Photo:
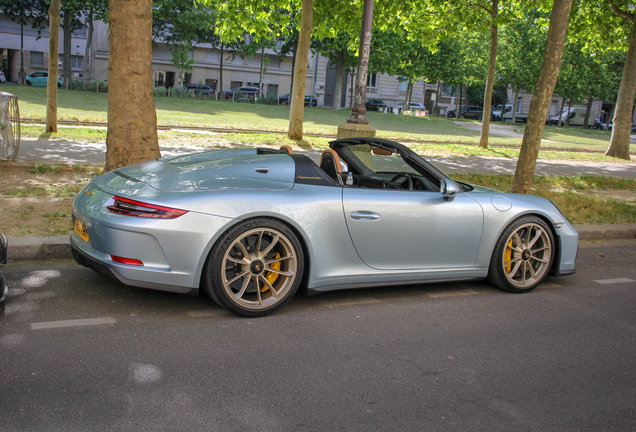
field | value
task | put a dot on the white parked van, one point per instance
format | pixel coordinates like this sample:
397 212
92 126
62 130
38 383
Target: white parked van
576 116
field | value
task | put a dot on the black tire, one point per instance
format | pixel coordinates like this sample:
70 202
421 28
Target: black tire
237 275
522 256
29 83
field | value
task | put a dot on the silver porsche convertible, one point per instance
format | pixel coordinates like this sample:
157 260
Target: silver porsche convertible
252 226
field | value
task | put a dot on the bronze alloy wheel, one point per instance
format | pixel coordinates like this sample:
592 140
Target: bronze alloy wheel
257 267
523 255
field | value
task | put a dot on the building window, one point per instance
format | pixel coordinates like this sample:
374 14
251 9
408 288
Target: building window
449 90
37 59
372 80
403 86
160 78
77 62
519 103
235 84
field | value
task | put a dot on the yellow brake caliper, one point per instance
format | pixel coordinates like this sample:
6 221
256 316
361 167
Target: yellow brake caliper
271 276
508 256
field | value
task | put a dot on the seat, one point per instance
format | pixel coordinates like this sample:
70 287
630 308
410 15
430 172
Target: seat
287 148
330 163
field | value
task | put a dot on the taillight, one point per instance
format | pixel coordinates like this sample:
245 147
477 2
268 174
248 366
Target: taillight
129 261
129 207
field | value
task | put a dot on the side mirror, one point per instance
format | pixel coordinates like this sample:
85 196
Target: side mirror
449 190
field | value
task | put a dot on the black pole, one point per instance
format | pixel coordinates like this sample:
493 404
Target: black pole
22 73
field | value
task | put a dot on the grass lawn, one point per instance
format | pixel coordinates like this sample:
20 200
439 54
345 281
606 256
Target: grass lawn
427 135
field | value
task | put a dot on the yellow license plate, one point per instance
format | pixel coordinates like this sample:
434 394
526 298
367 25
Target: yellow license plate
80 228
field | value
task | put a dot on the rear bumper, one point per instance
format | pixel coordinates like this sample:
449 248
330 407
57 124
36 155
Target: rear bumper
86 260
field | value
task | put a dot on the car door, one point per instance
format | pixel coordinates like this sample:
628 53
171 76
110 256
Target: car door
402 229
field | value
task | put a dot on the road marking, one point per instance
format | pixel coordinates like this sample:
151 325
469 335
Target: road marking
72 323
352 302
207 313
613 281
549 285
464 292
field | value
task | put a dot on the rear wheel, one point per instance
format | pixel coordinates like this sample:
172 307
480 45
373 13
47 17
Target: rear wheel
523 255
255 268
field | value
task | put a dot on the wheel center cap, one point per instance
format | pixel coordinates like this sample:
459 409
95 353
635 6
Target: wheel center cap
525 255
257 267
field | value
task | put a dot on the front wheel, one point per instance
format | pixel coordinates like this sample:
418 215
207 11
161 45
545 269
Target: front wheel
522 256
255 268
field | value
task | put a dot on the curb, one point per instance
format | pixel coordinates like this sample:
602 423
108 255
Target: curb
59 247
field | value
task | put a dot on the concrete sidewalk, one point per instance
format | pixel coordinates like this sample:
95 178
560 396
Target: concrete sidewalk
61 152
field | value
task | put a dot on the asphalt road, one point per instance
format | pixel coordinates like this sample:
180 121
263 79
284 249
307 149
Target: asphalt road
443 357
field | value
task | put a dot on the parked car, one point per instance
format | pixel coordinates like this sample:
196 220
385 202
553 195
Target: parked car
40 79
412 106
2 77
374 104
4 288
576 116
504 113
206 90
245 90
248 226
284 100
473 112
611 125
451 113
599 124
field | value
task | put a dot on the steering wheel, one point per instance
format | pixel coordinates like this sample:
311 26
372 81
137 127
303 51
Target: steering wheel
392 184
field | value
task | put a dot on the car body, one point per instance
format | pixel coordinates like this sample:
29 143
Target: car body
245 91
4 289
412 106
374 104
2 77
203 89
451 113
249 226
284 100
575 115
473 113
41 78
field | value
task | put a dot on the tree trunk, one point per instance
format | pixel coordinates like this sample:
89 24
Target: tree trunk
353 86
132 119
51 84
567 119
406 105
456 98
68 15
514 109
297 98
435 112
260 75
586 122
522 182
337 92
461 100
621 131
88 51
293 70
559 123
219 91
610 117
485 122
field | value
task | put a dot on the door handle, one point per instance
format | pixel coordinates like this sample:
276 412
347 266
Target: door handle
362 215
